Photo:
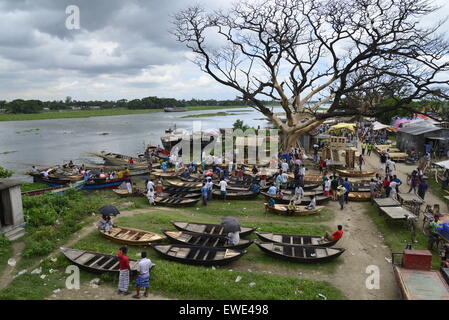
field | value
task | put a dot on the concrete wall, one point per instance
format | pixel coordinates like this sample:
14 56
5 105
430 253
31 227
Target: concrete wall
12 209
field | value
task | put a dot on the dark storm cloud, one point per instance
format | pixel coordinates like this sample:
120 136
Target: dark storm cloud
34 33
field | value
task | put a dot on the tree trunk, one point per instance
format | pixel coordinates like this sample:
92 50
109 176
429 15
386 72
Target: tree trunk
289 140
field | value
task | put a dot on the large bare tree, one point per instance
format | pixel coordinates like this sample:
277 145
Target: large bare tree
305 53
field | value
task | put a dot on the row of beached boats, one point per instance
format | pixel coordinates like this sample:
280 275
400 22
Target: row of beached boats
205 244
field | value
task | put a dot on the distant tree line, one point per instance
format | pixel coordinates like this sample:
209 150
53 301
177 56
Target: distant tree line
36 106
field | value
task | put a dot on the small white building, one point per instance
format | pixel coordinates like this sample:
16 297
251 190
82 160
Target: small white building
12 222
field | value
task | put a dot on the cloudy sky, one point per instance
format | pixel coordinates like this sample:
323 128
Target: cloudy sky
123 50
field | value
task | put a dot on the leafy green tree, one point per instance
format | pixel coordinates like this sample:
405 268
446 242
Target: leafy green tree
4 173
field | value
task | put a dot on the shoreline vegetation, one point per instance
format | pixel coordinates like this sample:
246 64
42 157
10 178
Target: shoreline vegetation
216 114
98 113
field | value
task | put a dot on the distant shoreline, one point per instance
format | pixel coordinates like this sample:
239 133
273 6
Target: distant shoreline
63 114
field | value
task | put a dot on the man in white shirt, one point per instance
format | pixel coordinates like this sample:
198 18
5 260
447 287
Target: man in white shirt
129 186
303 170
284 177
393 192
299 193
284 166
223 184
150 185
327 187
143 275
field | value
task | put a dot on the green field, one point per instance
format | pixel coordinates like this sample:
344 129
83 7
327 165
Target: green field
263 277
94 113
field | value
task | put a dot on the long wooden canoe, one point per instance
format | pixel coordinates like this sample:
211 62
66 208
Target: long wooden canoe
235 195
297 239
281 209
116 159
204 256
55 190
320 199
298 253
133 237
95 262
355 173
204 240
123 193
185 184
165 175
175 202
208 228
359 196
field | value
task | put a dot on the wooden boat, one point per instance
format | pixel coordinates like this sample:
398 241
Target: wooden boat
359 196
297 239
281 209
298 253
208 228
117 159
204 240
320 199
133 237
205 256
355 173
185 184
94 184
55 190
175 202
95 262
181 190
175 110
165 175
172 194
123 193
235 195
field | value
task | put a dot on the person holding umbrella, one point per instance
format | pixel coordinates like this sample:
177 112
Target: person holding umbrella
232 227
105 222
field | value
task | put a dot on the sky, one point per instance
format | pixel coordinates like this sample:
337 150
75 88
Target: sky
123 50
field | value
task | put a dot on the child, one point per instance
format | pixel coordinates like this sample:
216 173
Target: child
150 196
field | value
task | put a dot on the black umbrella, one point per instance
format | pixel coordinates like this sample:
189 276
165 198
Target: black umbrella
230 224
109 210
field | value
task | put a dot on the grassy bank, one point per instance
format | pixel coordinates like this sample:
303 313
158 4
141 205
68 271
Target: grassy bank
94 113
397 235
217 114
5 252
272 278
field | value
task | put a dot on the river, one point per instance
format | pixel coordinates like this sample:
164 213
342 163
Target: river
50 142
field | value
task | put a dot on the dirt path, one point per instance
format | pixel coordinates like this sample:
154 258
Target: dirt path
9 272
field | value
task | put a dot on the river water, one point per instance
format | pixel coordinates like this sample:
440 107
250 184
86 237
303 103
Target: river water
50 142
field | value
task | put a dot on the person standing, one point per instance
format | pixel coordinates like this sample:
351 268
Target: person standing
327 187
347 186
422 188
393 190
223 184
205 193
383 161
159 188
334 187
129 186
143 275
413 183
299 193
369 148
341 191
210 186
373 189
363 148
361 161
150 196
123 282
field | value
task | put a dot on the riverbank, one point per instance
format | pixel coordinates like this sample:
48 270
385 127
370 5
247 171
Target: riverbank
62 114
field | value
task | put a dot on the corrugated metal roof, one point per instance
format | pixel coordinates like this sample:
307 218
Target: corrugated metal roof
416 131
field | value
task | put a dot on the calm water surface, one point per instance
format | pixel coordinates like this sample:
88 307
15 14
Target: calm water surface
56 141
